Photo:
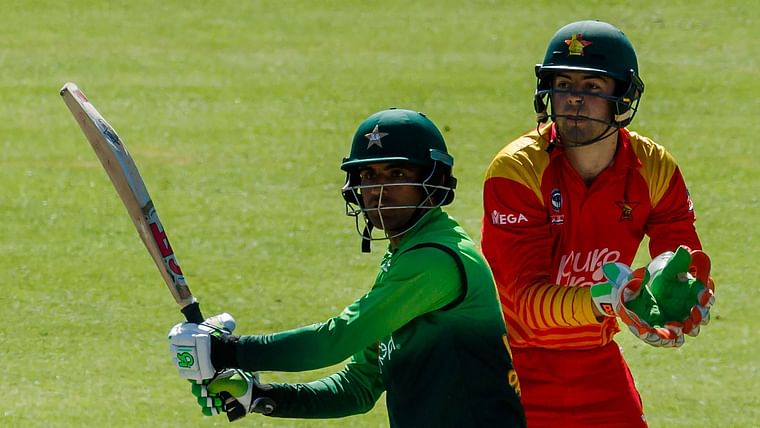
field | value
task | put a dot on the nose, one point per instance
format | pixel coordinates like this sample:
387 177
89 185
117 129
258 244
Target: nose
575 98
373 193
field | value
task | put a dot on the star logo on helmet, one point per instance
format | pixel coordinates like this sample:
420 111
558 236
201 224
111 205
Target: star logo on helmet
576 44
374 137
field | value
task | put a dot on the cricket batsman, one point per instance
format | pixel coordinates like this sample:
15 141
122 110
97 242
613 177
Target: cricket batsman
429 332
566 207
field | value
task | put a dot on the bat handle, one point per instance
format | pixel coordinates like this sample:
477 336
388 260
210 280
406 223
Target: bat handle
232 407
193 313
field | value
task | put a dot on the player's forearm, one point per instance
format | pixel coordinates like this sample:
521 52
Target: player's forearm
545 306
331 397
304 348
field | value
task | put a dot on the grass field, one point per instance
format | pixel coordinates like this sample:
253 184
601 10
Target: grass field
238 114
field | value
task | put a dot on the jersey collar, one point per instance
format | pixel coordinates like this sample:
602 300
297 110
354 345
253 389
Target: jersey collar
625 156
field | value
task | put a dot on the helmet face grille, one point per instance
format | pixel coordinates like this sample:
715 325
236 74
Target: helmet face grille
404 136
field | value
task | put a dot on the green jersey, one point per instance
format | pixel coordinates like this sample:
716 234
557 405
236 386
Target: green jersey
430 332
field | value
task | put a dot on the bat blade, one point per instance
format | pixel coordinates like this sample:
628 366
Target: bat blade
130 187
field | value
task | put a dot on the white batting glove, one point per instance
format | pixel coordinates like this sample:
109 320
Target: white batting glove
190 345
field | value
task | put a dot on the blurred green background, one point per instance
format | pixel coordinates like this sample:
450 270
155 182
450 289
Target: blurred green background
238 114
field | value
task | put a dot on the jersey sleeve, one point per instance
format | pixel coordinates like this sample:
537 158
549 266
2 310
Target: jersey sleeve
517 243
420 281
353 390
672 220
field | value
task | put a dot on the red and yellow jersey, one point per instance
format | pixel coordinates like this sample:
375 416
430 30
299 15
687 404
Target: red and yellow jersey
546 234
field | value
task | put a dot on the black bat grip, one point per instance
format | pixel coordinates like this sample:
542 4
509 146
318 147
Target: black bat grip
232 407
193 313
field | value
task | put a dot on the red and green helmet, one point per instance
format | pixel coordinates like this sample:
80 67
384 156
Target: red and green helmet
594 47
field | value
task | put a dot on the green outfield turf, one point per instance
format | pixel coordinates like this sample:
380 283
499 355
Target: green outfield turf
238 114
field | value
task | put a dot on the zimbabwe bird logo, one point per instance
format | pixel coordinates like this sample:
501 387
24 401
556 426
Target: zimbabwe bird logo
576 44
626 210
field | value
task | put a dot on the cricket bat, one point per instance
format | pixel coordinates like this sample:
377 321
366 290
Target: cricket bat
131 188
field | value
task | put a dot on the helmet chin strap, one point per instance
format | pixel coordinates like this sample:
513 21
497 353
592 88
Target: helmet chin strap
367 237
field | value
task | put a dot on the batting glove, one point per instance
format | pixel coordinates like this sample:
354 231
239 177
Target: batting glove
234 392
624 296
190 345
682 286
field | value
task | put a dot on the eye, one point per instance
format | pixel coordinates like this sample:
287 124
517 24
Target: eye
593 87
398 173
562 85
366 175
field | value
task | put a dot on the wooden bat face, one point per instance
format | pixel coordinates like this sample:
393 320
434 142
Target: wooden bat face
131 188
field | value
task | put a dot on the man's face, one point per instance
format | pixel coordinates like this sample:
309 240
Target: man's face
391 193
577 99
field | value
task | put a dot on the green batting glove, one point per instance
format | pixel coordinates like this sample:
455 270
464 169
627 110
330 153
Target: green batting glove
211 403
234 392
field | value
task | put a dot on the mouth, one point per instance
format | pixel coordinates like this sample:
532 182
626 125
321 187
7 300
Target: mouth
575 118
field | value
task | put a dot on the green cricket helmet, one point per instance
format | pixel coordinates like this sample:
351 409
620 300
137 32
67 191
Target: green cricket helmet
597 48
398 136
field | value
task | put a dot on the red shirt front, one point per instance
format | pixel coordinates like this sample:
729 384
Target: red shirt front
546 234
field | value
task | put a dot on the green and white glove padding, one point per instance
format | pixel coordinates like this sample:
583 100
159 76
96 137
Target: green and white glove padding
190 345
680 282
624 296
215 396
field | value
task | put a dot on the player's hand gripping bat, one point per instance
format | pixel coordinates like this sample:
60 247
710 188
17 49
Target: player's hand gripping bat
129 185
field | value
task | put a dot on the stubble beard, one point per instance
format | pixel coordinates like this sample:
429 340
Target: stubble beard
579 131
392 220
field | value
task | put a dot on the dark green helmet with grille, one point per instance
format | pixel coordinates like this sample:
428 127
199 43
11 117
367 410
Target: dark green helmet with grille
403 137
407 136
597 48
397 135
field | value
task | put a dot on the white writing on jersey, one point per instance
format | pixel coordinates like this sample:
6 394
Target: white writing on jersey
499 218
575 267
385 350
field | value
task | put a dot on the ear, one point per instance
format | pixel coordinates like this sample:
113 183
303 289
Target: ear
349 195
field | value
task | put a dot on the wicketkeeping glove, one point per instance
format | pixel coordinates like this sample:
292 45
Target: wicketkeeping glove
625 297
218 395
190 345
682 286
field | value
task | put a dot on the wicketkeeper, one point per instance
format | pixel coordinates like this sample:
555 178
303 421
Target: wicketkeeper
566 207
429 332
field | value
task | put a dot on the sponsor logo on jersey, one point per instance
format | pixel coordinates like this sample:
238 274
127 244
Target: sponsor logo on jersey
500 218
385 349
557 218
576 267
556 199
689 201
385 264
626 210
